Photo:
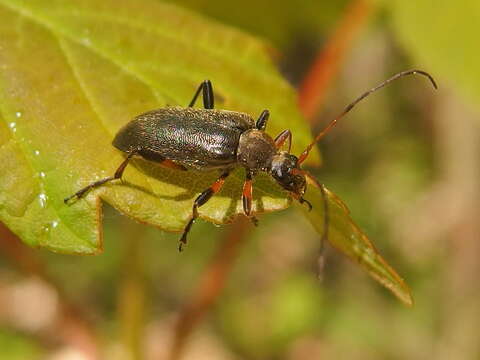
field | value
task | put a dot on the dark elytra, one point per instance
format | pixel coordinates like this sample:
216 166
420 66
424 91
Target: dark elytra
206 139
203 139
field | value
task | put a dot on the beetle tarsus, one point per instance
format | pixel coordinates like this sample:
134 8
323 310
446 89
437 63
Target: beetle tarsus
303 201
118 175
183 240
199 201
67 199
79 194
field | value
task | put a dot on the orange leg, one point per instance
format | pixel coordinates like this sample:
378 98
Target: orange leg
199 201
247 198
285 135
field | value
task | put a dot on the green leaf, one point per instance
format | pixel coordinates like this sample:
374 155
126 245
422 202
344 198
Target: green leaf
17 347
442 37
345 236
72 73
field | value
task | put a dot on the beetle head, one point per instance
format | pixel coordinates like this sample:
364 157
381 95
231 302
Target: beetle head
286 171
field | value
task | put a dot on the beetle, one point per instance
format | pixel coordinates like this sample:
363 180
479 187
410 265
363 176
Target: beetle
186 138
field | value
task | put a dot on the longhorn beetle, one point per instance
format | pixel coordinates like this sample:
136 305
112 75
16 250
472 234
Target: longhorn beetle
208 139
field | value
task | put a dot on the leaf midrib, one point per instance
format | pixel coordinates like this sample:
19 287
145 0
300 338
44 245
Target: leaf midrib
159 30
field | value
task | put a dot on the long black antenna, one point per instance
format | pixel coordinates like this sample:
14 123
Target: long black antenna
332 123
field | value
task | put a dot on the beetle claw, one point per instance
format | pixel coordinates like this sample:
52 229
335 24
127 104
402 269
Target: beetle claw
182 242
72 198
303 201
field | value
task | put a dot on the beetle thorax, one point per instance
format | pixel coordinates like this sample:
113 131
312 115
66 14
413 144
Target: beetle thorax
255 150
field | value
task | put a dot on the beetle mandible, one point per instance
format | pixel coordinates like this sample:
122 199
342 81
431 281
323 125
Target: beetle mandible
208 139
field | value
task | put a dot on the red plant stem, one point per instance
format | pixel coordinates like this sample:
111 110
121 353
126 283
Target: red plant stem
314 86
71 327
211 283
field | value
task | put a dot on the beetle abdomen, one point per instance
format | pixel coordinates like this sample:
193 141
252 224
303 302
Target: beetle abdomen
198 138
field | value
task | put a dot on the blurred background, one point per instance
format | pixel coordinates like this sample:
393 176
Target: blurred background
405 161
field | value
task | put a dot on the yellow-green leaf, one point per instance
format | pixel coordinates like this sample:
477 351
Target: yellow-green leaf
345 236
73 72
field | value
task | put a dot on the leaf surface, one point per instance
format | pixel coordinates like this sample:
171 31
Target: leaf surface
73 73
346 236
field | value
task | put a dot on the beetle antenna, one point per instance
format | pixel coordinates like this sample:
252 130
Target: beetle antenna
332 123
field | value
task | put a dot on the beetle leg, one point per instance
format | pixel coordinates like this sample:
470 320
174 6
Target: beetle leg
282 137
324 238
247 198
207 93
199 201
302 201
118 174
261 123
326 220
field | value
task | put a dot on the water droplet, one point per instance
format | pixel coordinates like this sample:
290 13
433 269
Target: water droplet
42 174
46 228
18 114
13 126
36 152
54 224
42 198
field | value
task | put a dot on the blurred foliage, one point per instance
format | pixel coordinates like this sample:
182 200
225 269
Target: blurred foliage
345 236
282 24
443 37
268 321
17 347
